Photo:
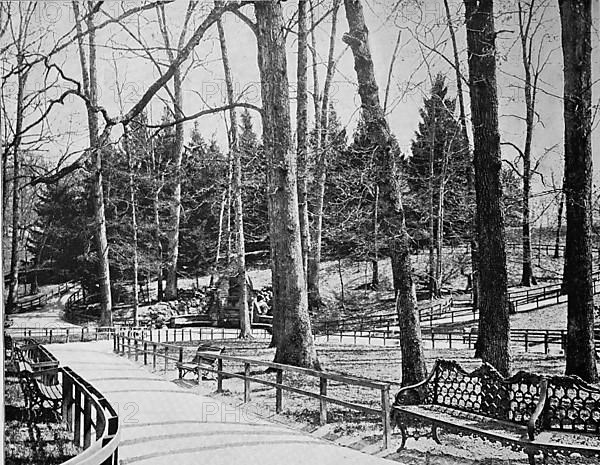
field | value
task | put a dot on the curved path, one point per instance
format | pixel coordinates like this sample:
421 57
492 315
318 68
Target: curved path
49 316
165 423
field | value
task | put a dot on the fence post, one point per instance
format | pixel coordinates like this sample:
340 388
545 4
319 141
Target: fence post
77 413
278 391
450 340
385 416
166 357
246 382
50 336
82 334
135 348
220 375
67 400
145 353
154 356
181 351
87 422
322 401
546 348
526 341
67 335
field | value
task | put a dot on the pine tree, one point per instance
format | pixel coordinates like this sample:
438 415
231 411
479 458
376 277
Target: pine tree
254 166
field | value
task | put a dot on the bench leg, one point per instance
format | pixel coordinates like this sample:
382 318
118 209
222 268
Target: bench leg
434 434
404 435
531 452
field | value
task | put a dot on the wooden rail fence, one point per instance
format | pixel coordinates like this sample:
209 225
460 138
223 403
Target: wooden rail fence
149 351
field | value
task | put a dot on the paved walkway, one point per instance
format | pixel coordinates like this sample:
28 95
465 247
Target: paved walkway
165 423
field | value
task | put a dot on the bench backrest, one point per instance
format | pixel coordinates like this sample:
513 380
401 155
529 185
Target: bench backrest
204 352
484 391
571 405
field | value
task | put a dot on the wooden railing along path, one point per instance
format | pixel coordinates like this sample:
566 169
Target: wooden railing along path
86 412
150 351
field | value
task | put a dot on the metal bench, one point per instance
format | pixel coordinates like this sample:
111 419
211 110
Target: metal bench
38 395
203 362
526 411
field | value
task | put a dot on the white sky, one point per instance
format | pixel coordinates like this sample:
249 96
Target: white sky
204 83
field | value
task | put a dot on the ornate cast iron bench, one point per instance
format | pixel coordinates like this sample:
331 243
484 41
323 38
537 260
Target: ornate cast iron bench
205 358
528 412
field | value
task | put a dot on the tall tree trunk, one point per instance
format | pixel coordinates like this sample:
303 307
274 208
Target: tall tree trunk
219 237
440 220
527 277
391 209
91 89
321 150
561 202
132 201
494 324
375 260
474 277
576 21
245 327
177 154
301 133
294 342
158 181
13 289
433 292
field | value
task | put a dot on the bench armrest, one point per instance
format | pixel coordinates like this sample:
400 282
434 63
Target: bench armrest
531 425
411 395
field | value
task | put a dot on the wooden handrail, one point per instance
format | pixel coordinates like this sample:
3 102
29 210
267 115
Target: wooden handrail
99 437
125 344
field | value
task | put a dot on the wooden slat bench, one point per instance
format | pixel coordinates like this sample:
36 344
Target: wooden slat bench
557 415
204 360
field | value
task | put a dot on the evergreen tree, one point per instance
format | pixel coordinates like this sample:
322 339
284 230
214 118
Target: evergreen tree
439 135
204 178
60 240
254 166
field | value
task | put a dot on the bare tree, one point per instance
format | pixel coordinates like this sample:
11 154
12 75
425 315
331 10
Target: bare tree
576 23
235 153
474 276
172 252
391 209
494 324
302 132
90 89
321 150
294 341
